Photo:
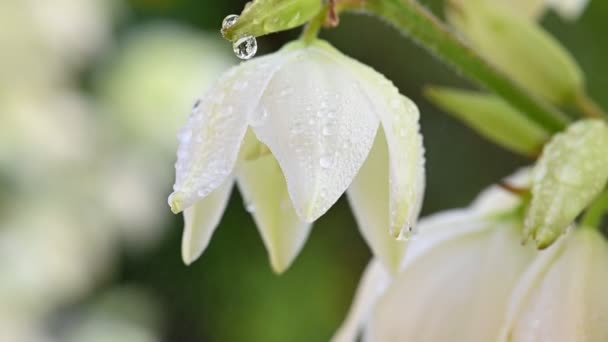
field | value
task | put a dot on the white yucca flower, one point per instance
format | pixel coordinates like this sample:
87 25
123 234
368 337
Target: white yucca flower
562 295
294 129
468 279
450 269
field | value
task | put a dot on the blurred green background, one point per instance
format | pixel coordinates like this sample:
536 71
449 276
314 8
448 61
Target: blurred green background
91 100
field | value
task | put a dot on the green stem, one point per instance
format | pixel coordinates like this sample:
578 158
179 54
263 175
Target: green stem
412 18
595 213
311 31
588 107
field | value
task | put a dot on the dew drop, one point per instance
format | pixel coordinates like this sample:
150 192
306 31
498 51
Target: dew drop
258 117
395 104
196 104
325 162
245 48
229 21
184 136
250 207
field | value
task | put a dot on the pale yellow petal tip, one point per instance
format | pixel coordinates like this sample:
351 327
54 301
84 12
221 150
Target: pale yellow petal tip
187 259
402 232
188 255
279 265
176 202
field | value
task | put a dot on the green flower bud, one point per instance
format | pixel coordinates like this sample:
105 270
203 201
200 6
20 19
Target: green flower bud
571 172
492 118
520 48
262 17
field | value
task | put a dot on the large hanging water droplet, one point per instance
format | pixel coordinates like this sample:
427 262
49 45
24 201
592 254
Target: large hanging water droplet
229 21
246 47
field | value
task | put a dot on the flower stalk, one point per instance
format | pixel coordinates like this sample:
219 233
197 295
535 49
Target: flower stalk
589 108
411 18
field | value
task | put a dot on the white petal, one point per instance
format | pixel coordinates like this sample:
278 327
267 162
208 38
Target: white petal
399 117
495 199
210 142
569 9
320 127
426 301
369 198
562 298
374 282
201 219
263 186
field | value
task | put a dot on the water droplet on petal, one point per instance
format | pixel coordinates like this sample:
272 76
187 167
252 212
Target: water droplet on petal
395 104
258 117
245 48
229 21
184 136
196 104
325 162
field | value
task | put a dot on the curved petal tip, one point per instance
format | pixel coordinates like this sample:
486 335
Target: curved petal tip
176 202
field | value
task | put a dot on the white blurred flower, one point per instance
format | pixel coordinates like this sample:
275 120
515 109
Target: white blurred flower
149 81
568 9
562 296
317 111
49 256
51 127
64 34
451 266
126 314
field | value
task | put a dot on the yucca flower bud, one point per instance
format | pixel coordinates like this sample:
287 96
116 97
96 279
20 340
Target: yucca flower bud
571 172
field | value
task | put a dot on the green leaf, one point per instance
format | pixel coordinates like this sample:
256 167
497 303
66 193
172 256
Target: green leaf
491 117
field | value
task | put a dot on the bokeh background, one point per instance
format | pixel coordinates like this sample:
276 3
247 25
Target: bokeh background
92 94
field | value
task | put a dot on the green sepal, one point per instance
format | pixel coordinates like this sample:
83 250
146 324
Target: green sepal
262 17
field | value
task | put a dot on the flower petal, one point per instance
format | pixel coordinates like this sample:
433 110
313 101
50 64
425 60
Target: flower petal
263 186
210 142
399 117
425 301
562 298
201 219
369 198
373 283
320 132
568 9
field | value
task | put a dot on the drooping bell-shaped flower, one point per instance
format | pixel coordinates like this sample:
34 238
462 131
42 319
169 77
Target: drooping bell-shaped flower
562 295
463 261
295 129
